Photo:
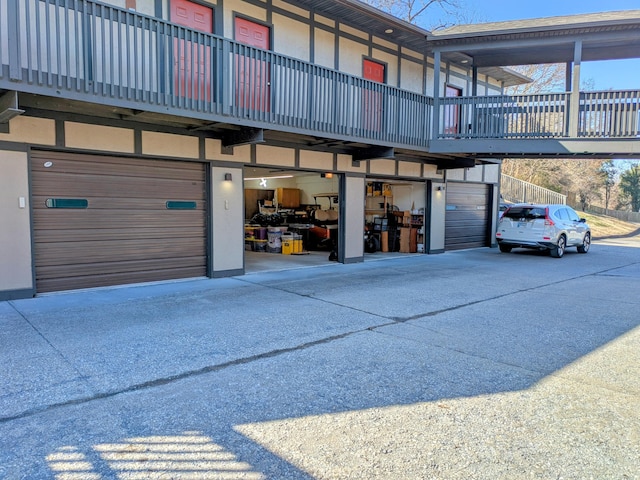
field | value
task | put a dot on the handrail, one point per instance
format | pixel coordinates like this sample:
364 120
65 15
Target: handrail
91 51
504 116
515 190
612 114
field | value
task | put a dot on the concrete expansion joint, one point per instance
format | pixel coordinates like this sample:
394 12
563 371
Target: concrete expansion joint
81 375
175 378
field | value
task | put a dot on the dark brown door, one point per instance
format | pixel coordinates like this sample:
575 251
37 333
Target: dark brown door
102 220
252 74
192 60
373 99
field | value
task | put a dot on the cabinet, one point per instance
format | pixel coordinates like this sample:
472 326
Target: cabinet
288 197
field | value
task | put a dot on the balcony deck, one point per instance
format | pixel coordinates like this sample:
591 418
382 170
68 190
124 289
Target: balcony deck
72 55
601 124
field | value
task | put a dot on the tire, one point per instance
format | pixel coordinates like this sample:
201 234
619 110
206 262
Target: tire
586 243
504 248
558 250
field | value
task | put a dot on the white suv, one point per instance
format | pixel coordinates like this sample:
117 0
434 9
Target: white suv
543 227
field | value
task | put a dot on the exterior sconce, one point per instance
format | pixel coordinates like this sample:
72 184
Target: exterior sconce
440 188
326 175
227 177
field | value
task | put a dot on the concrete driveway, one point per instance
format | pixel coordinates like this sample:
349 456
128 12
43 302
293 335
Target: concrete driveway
467 365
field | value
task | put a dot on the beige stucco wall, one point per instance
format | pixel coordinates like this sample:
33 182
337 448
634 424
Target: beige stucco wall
431 171
15 233
438 210
411 78
351 54
345 164
391 65
316 160
244 8
456 174
475 174
492 173
291 37
324 48
99 137
409 169
170 145
227 213
268 155
23 129
354 195
213 151
382 167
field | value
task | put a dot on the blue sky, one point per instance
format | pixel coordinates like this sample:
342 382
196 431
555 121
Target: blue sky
618 75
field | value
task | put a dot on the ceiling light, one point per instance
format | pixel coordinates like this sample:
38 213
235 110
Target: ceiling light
388 31
269 178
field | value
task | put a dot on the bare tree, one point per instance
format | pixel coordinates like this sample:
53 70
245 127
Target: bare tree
430 14
545 78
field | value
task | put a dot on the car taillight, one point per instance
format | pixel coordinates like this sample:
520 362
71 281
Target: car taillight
547 219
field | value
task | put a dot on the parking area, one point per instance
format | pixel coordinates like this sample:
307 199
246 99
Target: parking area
469 364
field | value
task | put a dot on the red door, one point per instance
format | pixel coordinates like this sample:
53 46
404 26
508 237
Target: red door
191 60
452 112
252 74
373 99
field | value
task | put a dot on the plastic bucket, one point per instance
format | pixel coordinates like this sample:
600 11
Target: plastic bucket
274 240
287 243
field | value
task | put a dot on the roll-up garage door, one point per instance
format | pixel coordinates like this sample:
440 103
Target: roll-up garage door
467 216
101 220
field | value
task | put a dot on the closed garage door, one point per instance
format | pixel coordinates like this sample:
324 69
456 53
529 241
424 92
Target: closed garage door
102 220
467 216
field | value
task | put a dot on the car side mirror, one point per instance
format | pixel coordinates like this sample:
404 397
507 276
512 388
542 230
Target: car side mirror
583 220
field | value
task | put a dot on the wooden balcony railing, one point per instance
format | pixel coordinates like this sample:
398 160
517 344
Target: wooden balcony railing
611 114
89 51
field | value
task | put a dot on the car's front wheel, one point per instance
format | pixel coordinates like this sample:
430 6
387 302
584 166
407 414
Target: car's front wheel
586 243
505 248
558 250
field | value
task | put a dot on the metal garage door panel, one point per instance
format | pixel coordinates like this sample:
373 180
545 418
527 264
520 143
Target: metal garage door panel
126 234
467 216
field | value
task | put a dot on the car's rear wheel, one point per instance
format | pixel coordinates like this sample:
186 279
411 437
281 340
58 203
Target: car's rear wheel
505 248
586 243
558 250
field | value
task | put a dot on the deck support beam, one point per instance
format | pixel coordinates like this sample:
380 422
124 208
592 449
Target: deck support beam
244 136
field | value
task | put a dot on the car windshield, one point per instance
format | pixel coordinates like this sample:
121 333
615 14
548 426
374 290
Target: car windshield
528 213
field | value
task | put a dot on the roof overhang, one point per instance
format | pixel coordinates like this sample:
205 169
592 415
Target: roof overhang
364 17
603 36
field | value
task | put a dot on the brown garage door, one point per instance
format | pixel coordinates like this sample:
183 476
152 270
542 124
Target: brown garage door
467 216
101 220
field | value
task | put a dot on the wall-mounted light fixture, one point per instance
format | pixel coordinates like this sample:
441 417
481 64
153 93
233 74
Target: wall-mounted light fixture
326 175
227 177
440 188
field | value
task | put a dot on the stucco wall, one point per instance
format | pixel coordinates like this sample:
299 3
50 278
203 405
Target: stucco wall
227 212
437 212
15 233
99 137
354 218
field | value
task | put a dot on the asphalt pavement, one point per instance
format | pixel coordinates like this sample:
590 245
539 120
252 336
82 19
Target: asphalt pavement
466 365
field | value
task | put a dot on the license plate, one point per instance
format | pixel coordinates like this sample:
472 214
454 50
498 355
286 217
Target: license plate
522 224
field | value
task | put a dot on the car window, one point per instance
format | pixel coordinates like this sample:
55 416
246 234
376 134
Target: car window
562 214
573 216
528 213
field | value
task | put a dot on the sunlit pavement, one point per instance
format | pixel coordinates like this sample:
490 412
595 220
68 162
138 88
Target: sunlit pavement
471 364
